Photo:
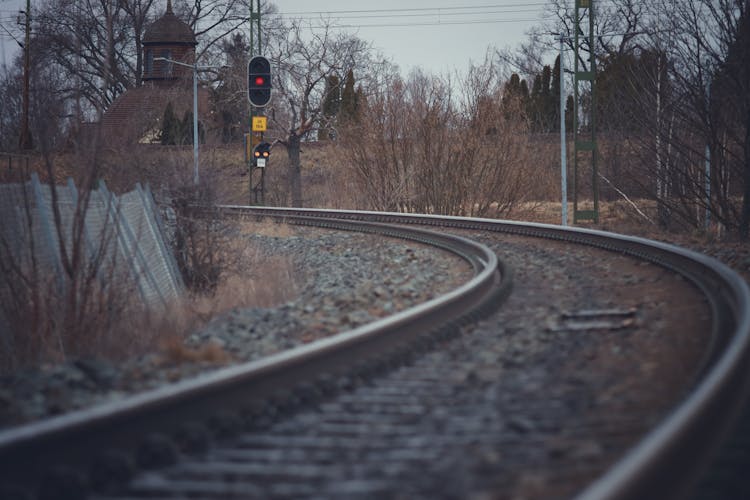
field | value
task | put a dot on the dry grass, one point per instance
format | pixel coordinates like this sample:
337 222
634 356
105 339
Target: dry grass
257 280
172 350
253 280
267 228
268 282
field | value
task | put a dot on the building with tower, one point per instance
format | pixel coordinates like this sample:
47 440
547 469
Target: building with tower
136 115
170 38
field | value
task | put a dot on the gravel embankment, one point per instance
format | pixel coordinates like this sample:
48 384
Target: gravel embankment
532 402
344 280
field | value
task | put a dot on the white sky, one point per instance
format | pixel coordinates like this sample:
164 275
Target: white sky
437 35
8 21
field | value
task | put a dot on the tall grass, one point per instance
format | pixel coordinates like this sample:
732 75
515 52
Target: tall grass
82 307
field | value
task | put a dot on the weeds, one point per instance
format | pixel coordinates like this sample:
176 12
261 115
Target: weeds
75 302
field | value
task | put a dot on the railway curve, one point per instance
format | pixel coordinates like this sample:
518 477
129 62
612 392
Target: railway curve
55 453
676 448
666 462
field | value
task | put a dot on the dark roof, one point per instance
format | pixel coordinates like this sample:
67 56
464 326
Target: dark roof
139 110
169 29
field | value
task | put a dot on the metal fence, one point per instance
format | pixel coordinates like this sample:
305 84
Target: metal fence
122 235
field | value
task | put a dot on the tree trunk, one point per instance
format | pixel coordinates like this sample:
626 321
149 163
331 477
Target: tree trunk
743 40
745 218
295 170
662 174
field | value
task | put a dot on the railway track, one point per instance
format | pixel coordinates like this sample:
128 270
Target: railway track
412 399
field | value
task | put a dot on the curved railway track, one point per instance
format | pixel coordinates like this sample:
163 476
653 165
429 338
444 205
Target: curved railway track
105 441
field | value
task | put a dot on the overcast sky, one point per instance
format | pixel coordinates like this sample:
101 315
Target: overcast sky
437 35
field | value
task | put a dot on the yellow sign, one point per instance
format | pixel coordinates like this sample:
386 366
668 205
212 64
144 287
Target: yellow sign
259 123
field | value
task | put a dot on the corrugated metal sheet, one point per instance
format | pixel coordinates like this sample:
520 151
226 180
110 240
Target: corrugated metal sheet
122 237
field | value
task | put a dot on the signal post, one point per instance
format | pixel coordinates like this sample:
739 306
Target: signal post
257 152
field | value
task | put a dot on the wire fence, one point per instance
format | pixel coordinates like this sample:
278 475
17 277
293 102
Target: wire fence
123 235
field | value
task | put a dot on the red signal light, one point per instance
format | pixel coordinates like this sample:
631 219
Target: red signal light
259 81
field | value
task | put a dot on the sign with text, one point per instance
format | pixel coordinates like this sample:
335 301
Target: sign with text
259 123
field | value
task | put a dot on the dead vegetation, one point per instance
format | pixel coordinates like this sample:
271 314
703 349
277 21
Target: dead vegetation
79 306
229 273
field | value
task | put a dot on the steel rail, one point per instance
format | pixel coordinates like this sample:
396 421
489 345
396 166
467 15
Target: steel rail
668 460
31 455
657 467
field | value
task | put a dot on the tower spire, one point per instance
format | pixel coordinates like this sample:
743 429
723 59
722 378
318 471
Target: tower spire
169 7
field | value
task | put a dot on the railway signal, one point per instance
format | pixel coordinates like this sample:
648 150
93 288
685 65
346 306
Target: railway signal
259 81
261 154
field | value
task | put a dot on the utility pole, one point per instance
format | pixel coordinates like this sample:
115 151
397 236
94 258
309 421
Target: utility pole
24 140
584 134
253 138
563 140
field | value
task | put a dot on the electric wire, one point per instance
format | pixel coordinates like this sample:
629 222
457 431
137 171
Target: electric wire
422 16
437 14
395 12
436 23
9 34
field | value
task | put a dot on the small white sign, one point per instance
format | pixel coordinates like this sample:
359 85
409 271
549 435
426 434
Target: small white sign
260 163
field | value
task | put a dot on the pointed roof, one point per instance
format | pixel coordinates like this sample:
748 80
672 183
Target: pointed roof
169 30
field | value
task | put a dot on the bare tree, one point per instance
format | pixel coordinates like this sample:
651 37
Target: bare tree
97 45
304 59
87 42
379 149
10 98
137 12
617 24
696 102
495 145
420 147
214 21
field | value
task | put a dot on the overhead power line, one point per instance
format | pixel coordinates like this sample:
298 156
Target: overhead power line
396 12
419 16
427 23
20 44
446 15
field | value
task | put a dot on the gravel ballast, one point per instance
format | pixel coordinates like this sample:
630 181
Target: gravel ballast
343 280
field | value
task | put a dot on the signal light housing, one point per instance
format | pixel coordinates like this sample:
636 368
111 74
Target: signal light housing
259 81
261 154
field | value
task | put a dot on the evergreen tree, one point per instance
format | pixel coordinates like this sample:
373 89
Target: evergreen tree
170 126
541 105
331 105
546 106
186 128
569 110
349 100
360 101
554 96
534 107
515 98
524 91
